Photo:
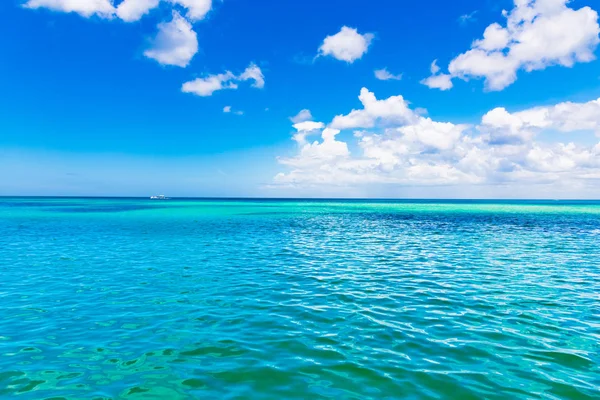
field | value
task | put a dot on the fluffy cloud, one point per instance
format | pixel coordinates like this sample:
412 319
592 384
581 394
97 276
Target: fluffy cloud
308 126
391 110
253 73
207 86
401 147
503 127
127 10
437 80
385 75
196 9
441 81
303 115
304 129
86 8
317 154
175 44
133 10
537 34
346 45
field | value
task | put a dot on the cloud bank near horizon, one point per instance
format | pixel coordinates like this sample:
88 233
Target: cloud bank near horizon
396 145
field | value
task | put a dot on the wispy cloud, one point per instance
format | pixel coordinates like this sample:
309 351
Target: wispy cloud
384 75
466 18
228 109
211 83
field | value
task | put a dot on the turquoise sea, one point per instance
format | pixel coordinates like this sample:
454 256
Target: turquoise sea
290 299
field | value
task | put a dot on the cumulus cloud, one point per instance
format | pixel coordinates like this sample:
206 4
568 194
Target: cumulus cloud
398 146
385 75
303 115
86 8
437 80
537 34
304 126
504 127
176 42
127 10
391 110
304 129
253 73
441 81
346 45
196 9
208 85
317 154
133 10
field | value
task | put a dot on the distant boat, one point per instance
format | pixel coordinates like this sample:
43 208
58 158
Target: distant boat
159 197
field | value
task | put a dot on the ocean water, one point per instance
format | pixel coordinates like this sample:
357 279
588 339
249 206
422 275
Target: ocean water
265 299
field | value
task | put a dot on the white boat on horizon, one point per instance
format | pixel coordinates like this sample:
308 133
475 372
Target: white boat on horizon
159 197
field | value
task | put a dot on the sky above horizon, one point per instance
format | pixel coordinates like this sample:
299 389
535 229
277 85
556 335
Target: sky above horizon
429 99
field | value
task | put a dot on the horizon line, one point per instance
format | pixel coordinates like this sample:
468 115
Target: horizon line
298 198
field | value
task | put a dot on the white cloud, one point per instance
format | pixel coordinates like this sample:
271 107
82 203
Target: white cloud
504 127
432 135
254 73
303 115
317 153
392 109
441 81
466 18
402 147
346 45
207 86
127 10
212 83
537 34
305 128
437 80
133 10
197 9
228 109
175 44
385 75
86 8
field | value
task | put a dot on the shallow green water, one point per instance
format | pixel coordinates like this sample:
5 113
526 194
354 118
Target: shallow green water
131 298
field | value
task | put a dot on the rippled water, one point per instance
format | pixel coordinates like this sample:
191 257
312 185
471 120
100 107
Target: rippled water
105 298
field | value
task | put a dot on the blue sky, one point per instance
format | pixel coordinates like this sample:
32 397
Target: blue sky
92 101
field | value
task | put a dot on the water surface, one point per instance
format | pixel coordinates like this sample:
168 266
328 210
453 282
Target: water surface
266 299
